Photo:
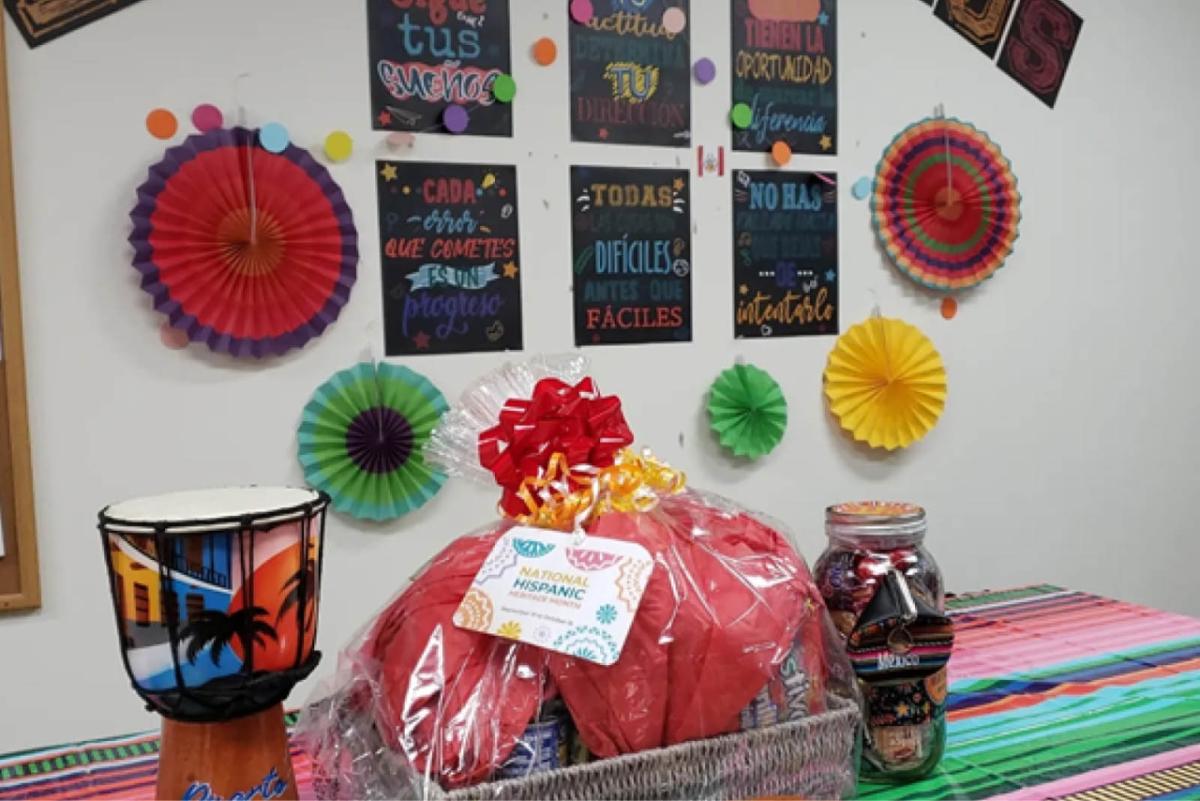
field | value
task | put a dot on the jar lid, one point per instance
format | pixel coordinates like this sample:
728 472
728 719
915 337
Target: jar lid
875 513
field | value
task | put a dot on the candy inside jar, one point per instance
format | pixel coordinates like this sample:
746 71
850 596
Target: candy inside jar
885 595
866 541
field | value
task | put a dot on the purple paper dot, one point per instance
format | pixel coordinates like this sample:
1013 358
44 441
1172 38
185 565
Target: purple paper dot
207 117
705 70
455 118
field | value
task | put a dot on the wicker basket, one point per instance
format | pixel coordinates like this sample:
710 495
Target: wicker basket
815 757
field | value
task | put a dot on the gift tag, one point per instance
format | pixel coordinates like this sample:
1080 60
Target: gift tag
556 591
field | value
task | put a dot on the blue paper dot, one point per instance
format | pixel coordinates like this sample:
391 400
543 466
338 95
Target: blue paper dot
273 137
861 188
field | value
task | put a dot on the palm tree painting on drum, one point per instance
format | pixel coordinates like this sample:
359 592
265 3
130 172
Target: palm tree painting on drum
217 631
218 619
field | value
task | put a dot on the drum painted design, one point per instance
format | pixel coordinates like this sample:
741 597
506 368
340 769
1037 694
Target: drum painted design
218 613
215 600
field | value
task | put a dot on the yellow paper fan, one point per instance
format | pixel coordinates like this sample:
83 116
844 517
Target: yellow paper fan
886 383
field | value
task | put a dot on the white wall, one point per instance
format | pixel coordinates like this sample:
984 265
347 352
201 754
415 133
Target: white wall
1066 454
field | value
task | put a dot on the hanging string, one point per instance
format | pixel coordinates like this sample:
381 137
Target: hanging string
241 112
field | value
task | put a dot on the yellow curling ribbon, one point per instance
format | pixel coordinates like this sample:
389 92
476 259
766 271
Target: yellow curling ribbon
566 497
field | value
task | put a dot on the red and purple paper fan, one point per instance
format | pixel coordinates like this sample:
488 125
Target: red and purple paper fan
945 204
251 252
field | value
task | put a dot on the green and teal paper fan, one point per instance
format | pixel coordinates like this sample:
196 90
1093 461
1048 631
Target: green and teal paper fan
747 411
362 440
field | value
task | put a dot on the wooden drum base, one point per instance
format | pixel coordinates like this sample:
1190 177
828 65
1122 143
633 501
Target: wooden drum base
245 758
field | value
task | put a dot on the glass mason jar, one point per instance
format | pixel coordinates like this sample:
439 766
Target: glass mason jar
873 545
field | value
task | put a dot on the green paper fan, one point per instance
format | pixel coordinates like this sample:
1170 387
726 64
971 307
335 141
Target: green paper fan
362 440
748 411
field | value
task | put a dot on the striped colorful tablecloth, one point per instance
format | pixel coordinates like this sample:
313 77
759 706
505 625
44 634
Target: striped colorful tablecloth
1054 695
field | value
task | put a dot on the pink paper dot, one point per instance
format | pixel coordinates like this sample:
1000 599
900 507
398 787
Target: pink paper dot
400 139
582 11
674 20
172 337
207 117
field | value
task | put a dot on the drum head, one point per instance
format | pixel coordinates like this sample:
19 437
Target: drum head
212 510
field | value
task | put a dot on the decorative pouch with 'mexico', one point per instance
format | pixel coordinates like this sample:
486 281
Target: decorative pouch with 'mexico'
899 637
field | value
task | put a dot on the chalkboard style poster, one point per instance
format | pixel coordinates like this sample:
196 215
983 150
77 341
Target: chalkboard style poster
631 78
451 259
785 253
632 240
40 21
429 54
785 70
980 22
1039 47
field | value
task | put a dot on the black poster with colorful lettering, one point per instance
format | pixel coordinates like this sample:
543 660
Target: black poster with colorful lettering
785 70
980 22
785 253
41 21
632 246
430 54
1040 43
631 79
451 257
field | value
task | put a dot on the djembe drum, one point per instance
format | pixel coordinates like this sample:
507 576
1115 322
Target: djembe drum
216 596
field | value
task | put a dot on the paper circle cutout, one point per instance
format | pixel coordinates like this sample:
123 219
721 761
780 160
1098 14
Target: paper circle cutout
861 189
674 20
545 51
781 153
338 146
741 115
582 11
172 337
161 123
273 137
399 139
504 88
705 70
949 307
207 117
455 118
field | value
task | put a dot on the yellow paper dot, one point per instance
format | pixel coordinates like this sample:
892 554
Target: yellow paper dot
488 180
339 146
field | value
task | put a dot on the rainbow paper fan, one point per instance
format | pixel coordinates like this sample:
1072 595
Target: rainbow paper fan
251 252
362 440
886 383
748 411
945 204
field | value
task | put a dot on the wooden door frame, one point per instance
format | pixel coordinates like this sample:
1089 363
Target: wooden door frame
27 594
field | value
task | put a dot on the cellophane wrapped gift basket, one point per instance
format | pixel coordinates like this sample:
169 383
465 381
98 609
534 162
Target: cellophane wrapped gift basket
615 634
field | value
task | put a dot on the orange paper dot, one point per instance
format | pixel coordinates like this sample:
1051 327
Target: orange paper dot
949 308
161 123
781 152
545 51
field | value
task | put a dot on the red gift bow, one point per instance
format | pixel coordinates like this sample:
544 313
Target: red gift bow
589 430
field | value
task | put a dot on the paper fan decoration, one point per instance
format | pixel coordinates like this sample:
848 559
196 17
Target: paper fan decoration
250 252
362 440
945 204
747 411
886 383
